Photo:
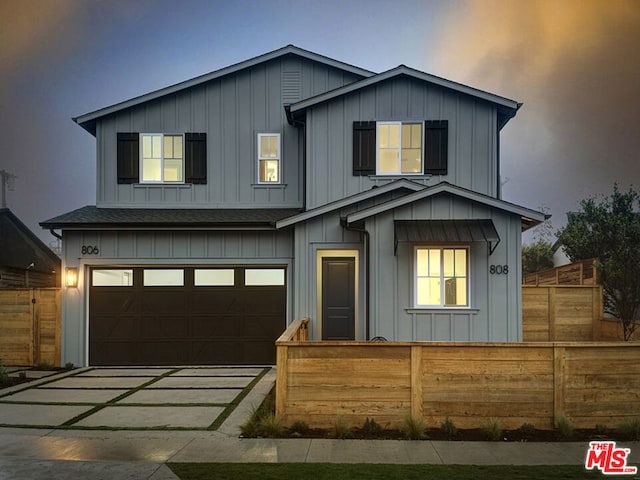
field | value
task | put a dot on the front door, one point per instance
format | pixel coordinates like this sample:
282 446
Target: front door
338 298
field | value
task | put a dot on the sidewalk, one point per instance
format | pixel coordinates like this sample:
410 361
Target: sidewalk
103 454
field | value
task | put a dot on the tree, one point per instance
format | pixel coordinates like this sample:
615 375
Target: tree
538 256
609 230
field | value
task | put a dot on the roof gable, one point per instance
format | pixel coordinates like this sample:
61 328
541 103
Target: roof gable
506 108
402 183
88 120
529 217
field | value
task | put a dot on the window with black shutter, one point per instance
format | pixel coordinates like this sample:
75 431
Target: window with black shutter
436 143
364 148
128 158
196 158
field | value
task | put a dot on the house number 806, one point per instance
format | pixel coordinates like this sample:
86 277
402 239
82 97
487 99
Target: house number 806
90 250
499 269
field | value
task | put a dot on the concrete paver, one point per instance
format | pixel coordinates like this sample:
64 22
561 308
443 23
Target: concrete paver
98 382
201 382
219 371
124 372
67 395
157 396
152 416
27 414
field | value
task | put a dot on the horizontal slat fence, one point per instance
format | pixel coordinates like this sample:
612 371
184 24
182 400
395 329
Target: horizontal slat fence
30 321
579 273
561 313
590 383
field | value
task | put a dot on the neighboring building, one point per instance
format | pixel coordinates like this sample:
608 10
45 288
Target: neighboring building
292 185
25 261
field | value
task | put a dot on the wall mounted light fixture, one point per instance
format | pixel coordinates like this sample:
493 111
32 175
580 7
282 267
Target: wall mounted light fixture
72 277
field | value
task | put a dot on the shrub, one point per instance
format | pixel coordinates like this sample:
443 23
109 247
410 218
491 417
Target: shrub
68 366
341 428
251 426
413 428
527 429
4 375
601 429
299 427
371 427
492 429
564 428
270 426
630 429
44 365
448 428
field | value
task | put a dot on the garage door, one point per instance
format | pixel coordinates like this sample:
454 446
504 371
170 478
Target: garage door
186 315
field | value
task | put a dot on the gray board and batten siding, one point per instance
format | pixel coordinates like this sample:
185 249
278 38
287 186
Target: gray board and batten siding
231 110
494 312
472 142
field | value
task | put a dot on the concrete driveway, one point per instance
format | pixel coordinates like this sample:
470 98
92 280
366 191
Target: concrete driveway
133 398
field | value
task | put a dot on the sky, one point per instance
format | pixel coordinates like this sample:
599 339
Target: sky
574 64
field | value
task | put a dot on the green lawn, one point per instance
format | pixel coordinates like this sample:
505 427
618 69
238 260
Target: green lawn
326 471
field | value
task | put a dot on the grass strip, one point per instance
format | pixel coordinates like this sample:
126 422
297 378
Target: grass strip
111 402
36 383
325 471
236 401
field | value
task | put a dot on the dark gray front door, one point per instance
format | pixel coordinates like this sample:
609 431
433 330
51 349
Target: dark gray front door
338 298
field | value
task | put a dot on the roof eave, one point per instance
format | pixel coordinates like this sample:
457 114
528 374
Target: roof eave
88 120
508 106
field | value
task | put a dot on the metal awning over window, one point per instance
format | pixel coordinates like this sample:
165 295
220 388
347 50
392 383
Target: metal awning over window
447 231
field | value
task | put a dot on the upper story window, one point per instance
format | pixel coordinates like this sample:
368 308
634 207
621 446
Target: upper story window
441 277
400 148
269 158
162 158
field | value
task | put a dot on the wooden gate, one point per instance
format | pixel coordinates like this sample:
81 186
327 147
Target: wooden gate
30 326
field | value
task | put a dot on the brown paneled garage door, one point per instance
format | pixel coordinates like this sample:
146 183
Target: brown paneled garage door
185 315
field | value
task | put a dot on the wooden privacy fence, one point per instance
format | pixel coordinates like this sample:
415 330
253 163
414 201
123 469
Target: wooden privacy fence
579 273
30 326
589 383
561 313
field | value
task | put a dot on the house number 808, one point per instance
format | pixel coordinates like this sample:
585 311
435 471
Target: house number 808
90 250
499 269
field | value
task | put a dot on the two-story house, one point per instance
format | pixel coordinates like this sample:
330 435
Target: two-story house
292 185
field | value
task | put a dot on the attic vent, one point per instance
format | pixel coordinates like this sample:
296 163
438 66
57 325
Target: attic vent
291 87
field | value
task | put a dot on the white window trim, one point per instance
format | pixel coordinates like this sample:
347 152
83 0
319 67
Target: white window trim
162 181
400 173
278 158
442 306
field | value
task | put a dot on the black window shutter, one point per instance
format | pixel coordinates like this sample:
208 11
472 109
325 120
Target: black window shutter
364 148
195 158
436 142
128 157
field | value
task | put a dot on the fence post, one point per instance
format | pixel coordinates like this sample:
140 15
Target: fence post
282 352
416 381
558 382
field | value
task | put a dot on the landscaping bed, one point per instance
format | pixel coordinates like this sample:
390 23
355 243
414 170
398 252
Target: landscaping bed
263 423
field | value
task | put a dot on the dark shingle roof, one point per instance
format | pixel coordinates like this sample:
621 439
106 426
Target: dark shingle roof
91 217
20 247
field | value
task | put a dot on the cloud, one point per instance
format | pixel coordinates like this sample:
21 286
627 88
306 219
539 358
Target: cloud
574 64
